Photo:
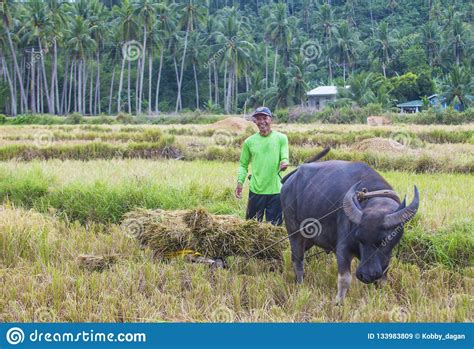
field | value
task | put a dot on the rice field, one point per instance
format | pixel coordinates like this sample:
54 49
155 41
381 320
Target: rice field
58 208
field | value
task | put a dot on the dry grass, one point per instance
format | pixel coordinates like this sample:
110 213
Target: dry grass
211 235
42 281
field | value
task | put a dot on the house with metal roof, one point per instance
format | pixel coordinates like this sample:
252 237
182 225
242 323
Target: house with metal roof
318 97
416 105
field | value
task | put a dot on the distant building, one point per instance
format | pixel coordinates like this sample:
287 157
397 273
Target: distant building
416 105
435 101
318 97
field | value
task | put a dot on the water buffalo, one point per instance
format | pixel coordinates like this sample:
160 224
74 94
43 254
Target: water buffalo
324 205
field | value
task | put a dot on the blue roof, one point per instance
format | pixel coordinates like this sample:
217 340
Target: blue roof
411 104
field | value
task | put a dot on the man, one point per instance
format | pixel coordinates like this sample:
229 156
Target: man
267 151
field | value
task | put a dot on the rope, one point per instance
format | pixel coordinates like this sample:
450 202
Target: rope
297 231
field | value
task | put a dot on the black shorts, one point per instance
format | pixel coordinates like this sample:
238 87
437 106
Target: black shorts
268 204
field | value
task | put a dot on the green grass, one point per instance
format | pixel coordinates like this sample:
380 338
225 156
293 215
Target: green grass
53 210
103 191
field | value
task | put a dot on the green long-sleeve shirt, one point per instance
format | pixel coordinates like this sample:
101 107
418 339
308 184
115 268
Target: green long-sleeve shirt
265 153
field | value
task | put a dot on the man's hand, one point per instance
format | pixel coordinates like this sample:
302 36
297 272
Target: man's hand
283 166
238 191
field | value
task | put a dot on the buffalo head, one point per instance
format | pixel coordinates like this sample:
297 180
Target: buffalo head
376 228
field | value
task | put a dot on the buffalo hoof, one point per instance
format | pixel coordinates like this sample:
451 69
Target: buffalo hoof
339 301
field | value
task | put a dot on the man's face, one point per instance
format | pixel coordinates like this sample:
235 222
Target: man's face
263 123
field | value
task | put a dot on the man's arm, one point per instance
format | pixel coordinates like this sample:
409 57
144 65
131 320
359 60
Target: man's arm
284 154
243 170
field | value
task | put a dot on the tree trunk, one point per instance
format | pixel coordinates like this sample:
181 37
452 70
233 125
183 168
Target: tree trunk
119 108
150 75
182 65
266 65
71 83
45 79
33 85
97 86
65 85
53 78
84 84
79 87
91 88
128 91
225 84
216 84
56 83
111 88
330 70
197 87
157 95
229 92
24 102
178 100
209 71
10 85
142 71
137 85
275 66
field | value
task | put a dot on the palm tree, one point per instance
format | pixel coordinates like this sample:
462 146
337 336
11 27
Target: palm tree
55 12
384 46
237 49
361 89
431 39
127 28
345 47
146 11
280 34
325 24
196 48
165 26
100 33
5 27
191 15
458 85
35 30
80 45
457 39
213 27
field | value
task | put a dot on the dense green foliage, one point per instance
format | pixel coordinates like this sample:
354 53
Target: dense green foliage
142 56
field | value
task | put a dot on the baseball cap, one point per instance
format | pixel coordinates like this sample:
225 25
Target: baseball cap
263 111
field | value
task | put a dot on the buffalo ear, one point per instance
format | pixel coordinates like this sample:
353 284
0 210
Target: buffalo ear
351 209
403 204
402 215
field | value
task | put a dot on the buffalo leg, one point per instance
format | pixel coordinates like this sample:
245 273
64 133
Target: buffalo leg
297 256
344 277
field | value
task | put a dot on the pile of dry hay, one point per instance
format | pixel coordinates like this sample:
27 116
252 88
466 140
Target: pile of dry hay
234 124
379 144
96 263
211 235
